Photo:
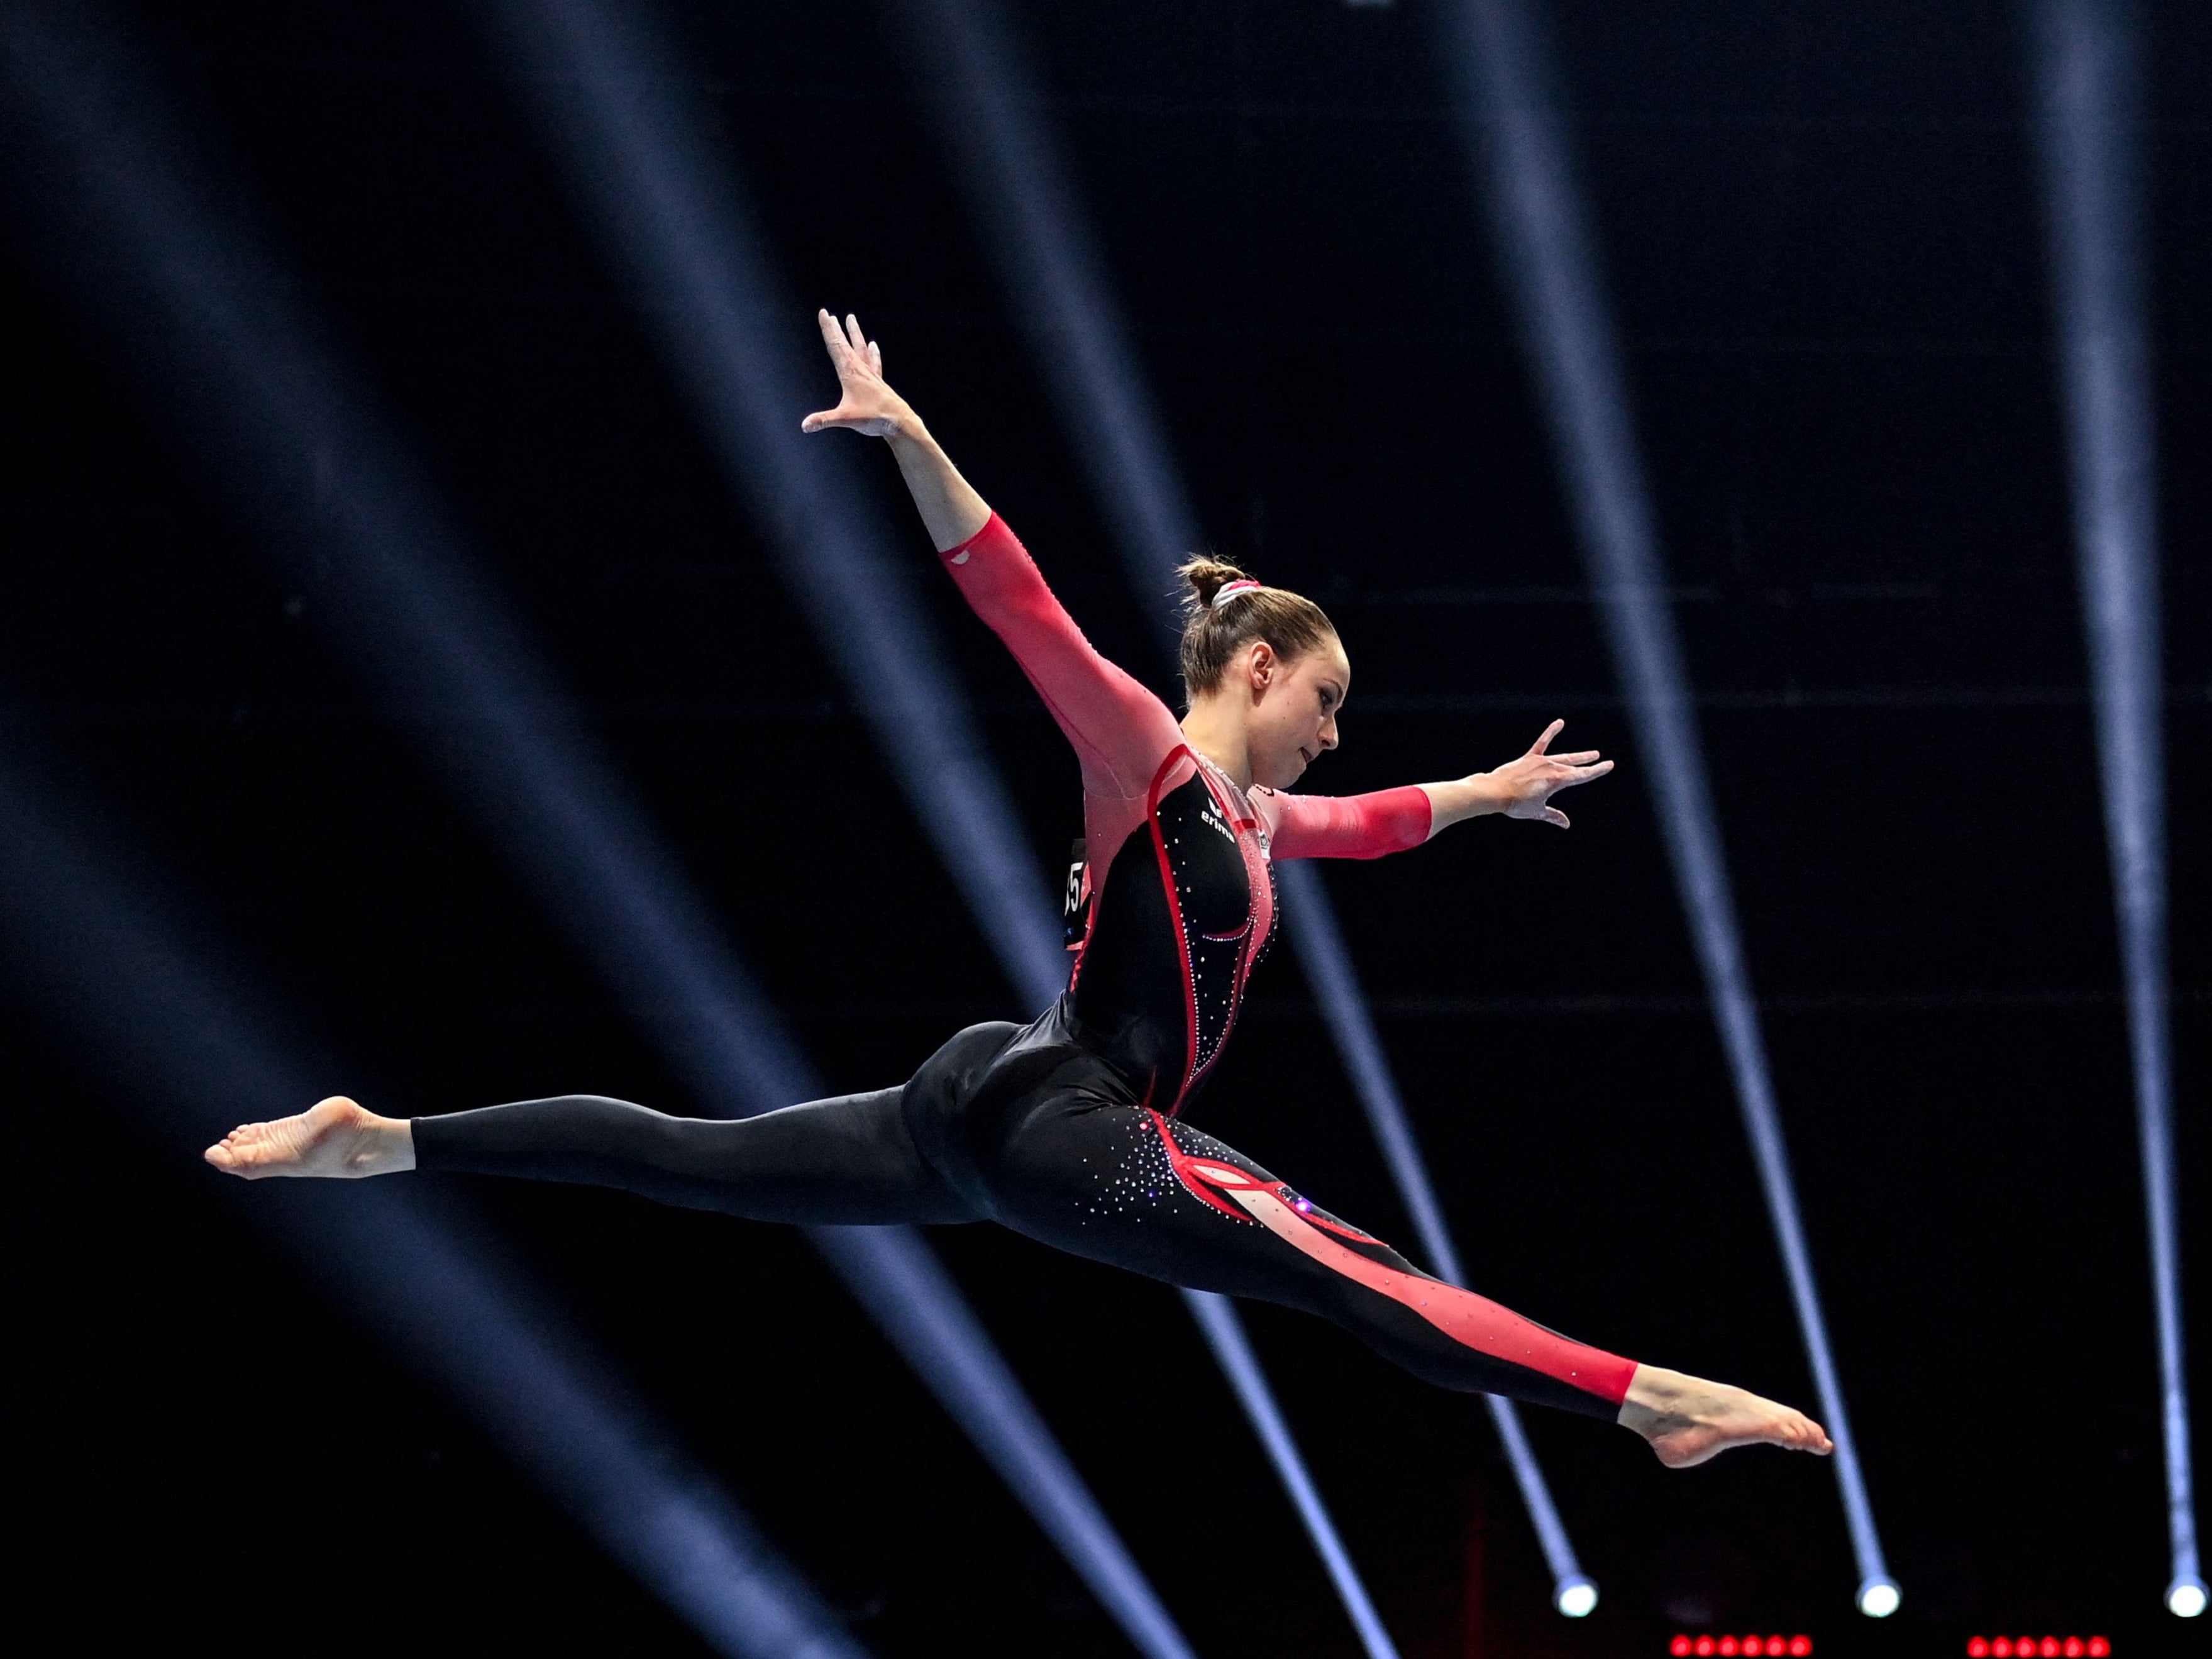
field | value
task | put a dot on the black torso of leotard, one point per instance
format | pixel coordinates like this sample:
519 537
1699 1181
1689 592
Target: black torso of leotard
1170 940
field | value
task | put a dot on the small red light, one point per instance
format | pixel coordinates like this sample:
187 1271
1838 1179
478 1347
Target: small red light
1726 1649
2099 1647
2073 1648
1679 1647
2001 1648
1800 1646
2050 1648
1705 1646
1775 1647
1977 1648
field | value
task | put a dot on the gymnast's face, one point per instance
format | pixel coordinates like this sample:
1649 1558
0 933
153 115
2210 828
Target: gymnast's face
1291 717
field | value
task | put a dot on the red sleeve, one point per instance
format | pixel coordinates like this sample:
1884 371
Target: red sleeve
1349 826
1121 730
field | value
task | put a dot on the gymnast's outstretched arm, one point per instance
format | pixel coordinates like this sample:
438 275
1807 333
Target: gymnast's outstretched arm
1120 730
951 509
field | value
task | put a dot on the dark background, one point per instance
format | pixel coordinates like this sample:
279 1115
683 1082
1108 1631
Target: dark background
1820 225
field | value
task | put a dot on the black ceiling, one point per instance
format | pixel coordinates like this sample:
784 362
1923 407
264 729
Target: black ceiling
1822 233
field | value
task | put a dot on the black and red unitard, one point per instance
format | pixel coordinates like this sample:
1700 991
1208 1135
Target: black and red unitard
1069 1129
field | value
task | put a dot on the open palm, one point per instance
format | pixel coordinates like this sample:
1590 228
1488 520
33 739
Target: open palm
865 402
1528 784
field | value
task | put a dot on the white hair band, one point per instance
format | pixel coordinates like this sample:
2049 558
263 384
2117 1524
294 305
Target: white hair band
1229 591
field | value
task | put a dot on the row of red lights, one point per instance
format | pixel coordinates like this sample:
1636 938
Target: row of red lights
1729 1646
2037 1647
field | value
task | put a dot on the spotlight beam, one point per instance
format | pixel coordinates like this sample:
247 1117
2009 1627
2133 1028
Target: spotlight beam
608 103
1518 140
1225 1334
141 1007
985 103
204 308
2089 109
1327 961
1010 172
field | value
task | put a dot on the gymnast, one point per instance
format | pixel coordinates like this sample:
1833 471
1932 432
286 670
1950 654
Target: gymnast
1071 1129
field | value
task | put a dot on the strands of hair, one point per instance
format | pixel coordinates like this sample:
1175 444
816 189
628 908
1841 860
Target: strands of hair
1212 635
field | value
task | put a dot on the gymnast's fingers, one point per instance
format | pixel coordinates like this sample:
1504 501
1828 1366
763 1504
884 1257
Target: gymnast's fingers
1584 773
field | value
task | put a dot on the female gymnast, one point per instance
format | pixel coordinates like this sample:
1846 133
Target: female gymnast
1070 1129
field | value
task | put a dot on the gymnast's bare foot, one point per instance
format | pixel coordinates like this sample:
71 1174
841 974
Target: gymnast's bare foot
1688 1419
334 1138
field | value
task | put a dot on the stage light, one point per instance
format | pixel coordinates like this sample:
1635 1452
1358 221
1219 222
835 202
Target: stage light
1518 140
1704 1647
972 79
315 469
978 87
177 1039
1681 1647
614 107
1879 1598
1800 1646
2091 121
1225 1334
1576 1597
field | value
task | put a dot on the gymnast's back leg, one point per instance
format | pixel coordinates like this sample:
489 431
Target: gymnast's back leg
849 1161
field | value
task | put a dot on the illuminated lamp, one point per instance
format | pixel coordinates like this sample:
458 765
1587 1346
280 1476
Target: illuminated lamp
1705 1646
1879 1597
2099 1647
1978 1647
1800 1646
2001 1648
2184 1597
1576 1596
1679 1647
2073 1650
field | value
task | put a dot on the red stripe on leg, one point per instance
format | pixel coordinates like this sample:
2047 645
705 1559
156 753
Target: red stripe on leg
1472 1320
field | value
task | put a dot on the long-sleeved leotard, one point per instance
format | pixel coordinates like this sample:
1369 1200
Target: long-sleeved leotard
1068 1129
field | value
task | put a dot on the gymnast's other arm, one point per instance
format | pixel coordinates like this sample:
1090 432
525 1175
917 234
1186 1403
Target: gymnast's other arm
951 509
